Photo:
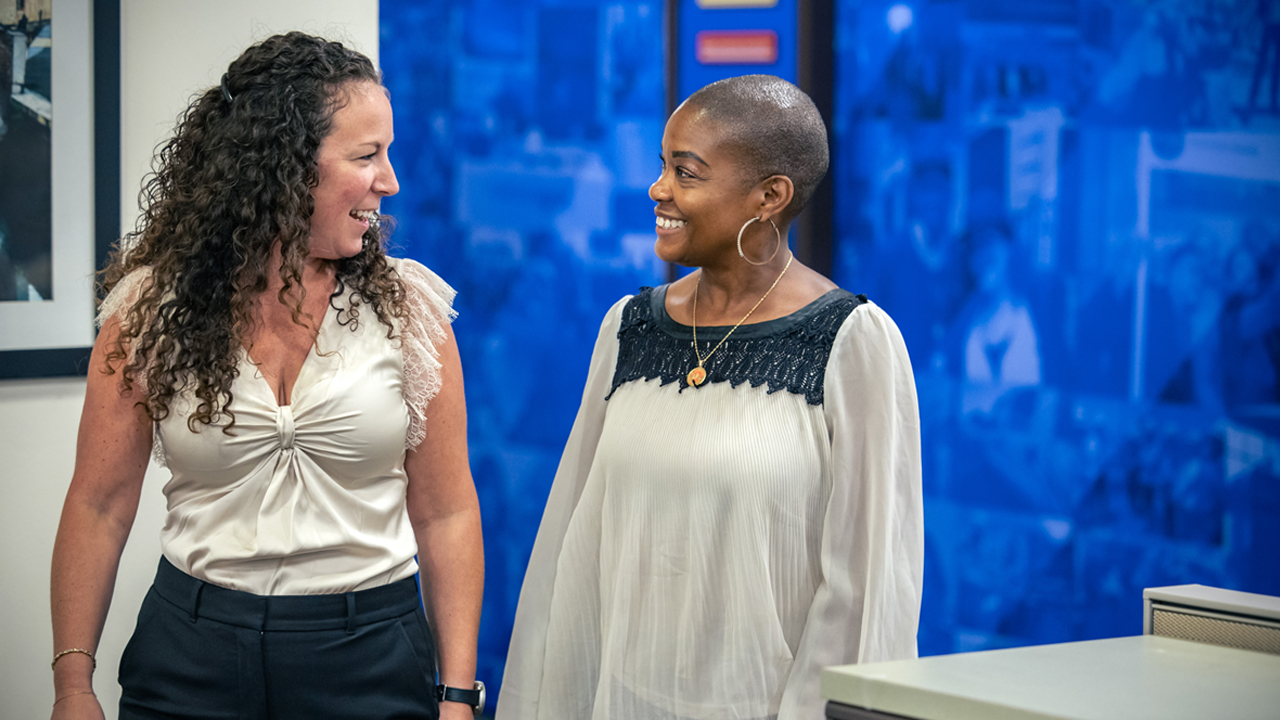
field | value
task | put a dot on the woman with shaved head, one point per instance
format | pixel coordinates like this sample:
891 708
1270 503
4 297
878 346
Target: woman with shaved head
739 503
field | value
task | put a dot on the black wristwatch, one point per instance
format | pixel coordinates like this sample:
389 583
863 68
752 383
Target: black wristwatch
473 697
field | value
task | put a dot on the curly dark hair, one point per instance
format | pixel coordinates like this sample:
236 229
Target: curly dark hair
234 180
775 129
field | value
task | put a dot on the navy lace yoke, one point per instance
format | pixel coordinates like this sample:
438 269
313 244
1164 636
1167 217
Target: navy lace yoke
789 353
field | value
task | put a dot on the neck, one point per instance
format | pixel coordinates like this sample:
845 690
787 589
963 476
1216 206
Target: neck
722 288
317 276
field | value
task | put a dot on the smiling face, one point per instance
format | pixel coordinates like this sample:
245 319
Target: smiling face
701 196
355 173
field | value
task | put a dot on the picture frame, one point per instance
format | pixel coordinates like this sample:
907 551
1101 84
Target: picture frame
54 337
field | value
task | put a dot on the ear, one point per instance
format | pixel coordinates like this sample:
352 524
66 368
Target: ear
775 193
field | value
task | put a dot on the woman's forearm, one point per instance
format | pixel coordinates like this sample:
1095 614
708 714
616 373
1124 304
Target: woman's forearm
113 447
451 557
86 556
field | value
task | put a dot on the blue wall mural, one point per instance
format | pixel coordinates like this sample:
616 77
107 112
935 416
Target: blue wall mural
527 134
1071 207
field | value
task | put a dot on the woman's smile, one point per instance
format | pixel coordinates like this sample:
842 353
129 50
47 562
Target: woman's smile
666 224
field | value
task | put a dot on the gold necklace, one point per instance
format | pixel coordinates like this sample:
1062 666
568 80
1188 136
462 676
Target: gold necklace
698 375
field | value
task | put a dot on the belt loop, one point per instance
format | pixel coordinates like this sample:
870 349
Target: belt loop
195 600
351 613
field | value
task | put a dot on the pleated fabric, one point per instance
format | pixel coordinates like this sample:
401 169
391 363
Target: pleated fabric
705 552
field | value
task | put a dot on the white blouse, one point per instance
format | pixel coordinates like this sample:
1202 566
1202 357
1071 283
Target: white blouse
309 497
706 551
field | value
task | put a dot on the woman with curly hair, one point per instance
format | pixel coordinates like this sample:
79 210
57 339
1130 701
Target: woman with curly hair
305 391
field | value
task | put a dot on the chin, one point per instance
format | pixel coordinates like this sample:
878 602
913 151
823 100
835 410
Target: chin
340 252
669 252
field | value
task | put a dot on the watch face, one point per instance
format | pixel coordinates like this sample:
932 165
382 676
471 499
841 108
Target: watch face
479 706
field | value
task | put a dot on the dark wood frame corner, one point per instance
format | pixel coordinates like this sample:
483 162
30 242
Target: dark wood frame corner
72 361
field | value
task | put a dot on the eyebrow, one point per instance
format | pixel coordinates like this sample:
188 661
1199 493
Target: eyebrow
687 154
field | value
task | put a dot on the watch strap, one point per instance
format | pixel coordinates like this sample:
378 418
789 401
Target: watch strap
470 698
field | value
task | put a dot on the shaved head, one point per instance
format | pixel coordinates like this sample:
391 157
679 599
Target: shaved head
772 127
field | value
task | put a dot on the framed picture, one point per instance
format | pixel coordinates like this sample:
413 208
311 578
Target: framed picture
59 178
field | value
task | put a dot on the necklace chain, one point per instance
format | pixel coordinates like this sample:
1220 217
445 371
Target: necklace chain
698 375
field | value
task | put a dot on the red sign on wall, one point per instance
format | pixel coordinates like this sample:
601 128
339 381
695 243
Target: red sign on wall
736 47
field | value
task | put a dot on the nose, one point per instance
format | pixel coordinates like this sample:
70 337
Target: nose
385 183
659 191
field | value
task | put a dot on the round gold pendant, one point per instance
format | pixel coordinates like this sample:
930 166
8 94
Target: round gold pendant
696 376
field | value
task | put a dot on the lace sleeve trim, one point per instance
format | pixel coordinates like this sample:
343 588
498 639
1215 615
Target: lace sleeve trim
117 303
123 296
430 310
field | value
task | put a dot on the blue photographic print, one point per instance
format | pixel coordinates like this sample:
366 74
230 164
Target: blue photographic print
1071 208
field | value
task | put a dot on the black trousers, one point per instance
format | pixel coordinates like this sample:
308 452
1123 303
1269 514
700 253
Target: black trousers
203 651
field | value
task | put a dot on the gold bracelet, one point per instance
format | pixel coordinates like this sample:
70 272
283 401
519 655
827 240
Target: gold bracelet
68 651
78 692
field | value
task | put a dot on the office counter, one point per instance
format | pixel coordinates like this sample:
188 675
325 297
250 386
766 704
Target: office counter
1126 678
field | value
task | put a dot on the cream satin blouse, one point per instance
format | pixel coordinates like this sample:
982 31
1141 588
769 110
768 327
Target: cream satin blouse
309 497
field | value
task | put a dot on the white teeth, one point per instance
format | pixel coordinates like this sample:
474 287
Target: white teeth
669 224
369 215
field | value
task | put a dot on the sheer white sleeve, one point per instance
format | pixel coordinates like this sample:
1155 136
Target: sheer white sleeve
867 607
430 310
522 680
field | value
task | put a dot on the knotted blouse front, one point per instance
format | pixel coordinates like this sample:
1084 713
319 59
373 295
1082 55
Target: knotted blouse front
309 497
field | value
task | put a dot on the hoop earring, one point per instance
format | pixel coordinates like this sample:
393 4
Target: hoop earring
776 232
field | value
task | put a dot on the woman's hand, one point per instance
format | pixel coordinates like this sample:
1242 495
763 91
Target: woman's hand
455 711
80 706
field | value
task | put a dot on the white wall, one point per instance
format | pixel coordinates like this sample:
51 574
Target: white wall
171 50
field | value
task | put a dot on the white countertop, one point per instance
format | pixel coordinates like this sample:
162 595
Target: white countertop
1126 678
1231 602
